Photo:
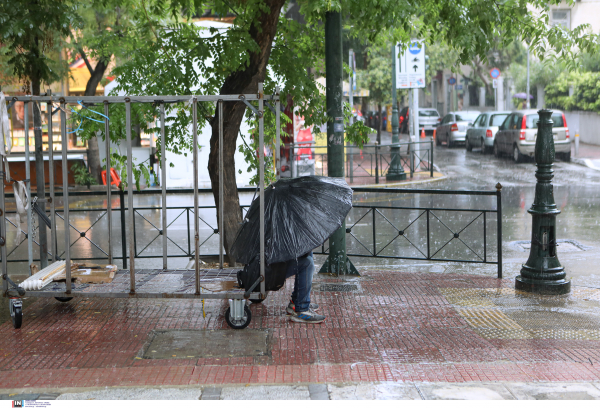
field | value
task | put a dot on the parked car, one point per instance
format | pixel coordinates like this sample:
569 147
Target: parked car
358 116
517 134
483 131
428 119
453 128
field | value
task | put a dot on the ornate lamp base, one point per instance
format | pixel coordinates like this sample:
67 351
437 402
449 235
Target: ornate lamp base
395 177
549 281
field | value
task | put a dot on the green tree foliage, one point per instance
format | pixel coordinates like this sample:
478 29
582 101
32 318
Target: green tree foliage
30 32
173 56
586 91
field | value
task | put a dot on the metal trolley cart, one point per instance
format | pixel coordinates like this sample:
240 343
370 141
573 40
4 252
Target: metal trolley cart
238 315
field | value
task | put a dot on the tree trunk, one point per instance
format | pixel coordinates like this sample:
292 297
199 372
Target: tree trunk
39 172
93 151
244 81
379 122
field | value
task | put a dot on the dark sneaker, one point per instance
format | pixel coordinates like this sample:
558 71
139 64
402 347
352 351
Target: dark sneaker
291 308
307 317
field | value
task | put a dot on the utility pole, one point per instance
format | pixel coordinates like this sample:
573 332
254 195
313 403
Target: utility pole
351 122
527 93
395 172
416 134
337 262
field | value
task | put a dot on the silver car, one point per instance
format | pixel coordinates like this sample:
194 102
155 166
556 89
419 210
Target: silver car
517 134
484 129
453 128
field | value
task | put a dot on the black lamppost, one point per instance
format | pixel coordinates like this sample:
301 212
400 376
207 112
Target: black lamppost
543 272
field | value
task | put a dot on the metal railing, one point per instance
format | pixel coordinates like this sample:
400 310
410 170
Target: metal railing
443 226
372 161
191 102
431 232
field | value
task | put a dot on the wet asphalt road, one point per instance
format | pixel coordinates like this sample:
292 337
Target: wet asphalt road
576 192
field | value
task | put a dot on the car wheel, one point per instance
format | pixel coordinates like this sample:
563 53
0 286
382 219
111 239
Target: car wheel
483 147
468 145
566 157
496 150
517 156
438 142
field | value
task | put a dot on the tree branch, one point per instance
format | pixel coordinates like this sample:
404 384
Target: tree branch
87 63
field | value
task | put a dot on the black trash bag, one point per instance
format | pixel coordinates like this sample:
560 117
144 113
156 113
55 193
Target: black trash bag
274 275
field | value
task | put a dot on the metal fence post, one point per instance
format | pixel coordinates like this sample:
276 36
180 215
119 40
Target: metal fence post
431 158
412 159
499 208
163 184
376 163
350 161
65 177
195 167
53 241
123 230
28 188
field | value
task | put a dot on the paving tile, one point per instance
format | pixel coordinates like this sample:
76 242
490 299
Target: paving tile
400 326
266 392
318 392
554 391
468 391
380 391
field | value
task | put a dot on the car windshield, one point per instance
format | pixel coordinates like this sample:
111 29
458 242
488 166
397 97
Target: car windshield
429 113
497 120
532 120
466 116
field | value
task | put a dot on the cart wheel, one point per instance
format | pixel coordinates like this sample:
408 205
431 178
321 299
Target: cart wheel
63 298
256 301
239 324
16 312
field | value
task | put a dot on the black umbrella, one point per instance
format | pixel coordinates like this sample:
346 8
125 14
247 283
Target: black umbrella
300 214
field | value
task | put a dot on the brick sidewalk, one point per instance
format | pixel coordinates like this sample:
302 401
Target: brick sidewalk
396 326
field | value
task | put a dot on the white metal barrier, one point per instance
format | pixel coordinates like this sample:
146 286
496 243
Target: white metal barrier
238 316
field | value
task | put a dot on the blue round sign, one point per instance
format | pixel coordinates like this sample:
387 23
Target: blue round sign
451 81
495 73
414 48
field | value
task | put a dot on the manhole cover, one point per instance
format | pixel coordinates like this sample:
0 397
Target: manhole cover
564 245
331 287
207 343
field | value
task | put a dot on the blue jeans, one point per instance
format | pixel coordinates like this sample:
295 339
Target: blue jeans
303 268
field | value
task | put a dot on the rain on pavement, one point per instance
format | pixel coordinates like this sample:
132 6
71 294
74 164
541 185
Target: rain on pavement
575 189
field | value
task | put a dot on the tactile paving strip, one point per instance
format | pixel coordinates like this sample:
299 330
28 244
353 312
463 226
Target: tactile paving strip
489 319
553 320
466 297
504 313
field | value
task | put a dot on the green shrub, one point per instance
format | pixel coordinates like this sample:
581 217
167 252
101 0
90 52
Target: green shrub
82 175
586 92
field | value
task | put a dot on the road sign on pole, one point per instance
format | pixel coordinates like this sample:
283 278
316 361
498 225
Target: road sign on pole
451 81
495 83
495 73
410 66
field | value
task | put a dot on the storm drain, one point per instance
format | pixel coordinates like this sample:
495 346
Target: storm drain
207 343
332 287
564 245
